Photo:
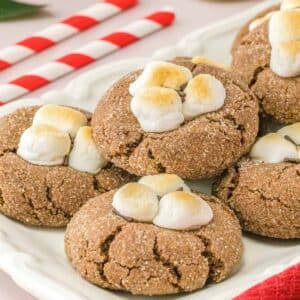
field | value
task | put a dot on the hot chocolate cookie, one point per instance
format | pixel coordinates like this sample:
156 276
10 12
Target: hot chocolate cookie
154 237
49 165
266 53
264 189
190 117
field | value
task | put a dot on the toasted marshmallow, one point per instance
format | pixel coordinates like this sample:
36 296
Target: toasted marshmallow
285 58
85 156
207 61
284 26
204 93
290 4
182 211
273 148
163 74
257 22
164 183
44 145
62 118
292 132
157 109
136 201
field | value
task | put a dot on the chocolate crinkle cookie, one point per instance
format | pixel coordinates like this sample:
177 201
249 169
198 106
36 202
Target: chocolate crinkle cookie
173 241
264 188
191 117
42 181
266 52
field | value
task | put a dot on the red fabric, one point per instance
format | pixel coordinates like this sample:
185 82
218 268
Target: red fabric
4 65
36 43
80 22
120 39
123 4
283 286
30 82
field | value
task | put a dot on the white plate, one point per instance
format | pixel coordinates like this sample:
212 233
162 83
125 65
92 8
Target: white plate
35 257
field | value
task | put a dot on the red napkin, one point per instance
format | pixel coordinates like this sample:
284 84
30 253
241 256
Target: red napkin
283 286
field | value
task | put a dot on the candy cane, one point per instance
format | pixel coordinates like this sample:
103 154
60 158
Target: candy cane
53 34
85 55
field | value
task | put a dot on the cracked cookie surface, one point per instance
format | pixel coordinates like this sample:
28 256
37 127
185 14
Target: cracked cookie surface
199 148
279 97
42 195
264 196
142 258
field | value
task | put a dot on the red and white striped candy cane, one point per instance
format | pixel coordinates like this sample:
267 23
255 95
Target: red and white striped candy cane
85 55
55 33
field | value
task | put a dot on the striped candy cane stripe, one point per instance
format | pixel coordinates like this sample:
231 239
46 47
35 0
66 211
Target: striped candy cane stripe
85 55
58 32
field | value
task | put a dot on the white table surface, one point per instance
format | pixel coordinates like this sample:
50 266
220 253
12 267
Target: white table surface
191 14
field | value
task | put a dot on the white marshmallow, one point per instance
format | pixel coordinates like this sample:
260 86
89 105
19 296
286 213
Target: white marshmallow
62 118
157 109
285 58
44 145
207 61
163 74
164 183
257 22
182 211
204 93
136 201
85 156
291 131
284 26
273 148
289 4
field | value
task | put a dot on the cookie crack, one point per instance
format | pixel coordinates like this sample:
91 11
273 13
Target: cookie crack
168 264
54 210
266 198
34 210
1 198
238 127
105 246
97 186
216 265
255 75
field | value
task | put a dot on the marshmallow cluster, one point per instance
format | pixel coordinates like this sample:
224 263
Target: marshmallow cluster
278 147
164 200
204 93
44 145
157 103
62 118
158 109
49 140
161 74
85 156
284 37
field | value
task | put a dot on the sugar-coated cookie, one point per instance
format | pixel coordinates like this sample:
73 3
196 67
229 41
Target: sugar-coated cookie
266 53
184 240
191 117
49 166
263 189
